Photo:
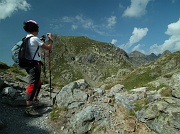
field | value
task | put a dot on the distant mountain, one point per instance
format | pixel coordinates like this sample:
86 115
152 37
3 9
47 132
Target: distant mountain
137 58
159 71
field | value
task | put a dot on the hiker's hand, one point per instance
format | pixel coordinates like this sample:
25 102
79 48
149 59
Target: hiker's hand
43 38
49 35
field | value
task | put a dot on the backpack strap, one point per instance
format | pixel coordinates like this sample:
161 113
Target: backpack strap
26 41
36 52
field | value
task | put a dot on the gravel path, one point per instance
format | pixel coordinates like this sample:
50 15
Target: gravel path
17 123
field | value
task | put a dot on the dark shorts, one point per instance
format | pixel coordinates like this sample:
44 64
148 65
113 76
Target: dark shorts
34 82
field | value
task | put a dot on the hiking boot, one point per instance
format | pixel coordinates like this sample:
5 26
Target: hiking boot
37 104
29 111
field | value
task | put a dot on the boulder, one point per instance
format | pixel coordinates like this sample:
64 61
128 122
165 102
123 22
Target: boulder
71 95
175 85
9 91
82 121
116 89
99 91
162 116
126 99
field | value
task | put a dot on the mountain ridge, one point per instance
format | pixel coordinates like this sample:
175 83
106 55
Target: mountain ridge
76 57
137 58
96 60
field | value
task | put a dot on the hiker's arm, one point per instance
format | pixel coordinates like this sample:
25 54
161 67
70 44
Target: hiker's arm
48 45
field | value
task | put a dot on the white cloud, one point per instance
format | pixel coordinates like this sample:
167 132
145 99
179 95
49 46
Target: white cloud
173 43
173 28
8 7
78 21
114 41
67 19
82 22
74 27
137 48
137 35
85 22
136 9
111 21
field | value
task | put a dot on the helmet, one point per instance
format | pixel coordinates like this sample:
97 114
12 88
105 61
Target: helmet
31 26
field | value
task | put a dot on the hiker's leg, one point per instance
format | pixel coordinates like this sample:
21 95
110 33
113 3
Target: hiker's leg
30 93
34 76
38 90
39 82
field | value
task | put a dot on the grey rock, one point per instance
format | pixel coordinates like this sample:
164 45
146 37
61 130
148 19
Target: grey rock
99 90
151 111
82 121
154 97
9 91
116 89
82 83
162 116
126 99
70 94
175 85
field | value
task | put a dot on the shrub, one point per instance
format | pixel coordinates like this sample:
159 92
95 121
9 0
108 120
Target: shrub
57 112
17 71
166 92
139 104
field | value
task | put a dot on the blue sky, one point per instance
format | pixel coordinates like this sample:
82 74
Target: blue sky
149 26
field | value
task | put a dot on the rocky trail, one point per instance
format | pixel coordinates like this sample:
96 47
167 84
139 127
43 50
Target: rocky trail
13 120
12 105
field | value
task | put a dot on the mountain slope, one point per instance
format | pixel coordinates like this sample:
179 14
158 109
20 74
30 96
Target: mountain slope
80 57
163 67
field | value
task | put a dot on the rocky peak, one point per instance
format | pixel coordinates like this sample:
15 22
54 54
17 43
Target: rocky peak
136 54
166 52
137 58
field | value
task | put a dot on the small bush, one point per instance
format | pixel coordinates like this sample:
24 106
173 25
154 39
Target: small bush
166 93
110 85
17 71
139 104
56 112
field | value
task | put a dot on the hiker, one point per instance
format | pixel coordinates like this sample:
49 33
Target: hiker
34 85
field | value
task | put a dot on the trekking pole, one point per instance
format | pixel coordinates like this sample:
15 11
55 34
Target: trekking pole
50 67
44 60
44 67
